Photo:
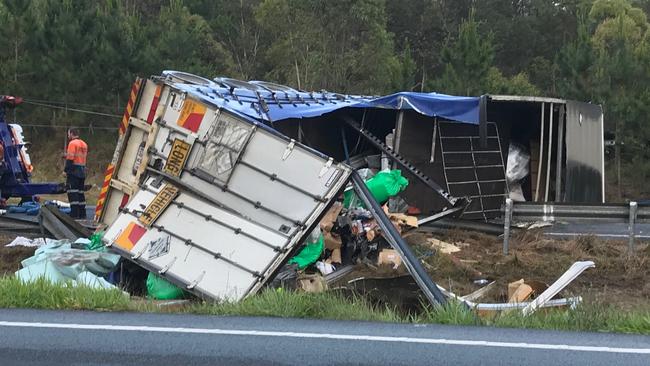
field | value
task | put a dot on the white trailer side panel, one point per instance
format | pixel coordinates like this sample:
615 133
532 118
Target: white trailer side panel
223 199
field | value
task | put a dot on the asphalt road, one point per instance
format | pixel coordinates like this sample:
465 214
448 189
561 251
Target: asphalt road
31 337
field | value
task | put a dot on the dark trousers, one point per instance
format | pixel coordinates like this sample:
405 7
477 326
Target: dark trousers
76 196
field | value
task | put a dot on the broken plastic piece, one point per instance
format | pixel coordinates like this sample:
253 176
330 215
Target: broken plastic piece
480 292
571 274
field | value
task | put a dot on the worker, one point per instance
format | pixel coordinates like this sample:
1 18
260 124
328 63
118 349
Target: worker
75 171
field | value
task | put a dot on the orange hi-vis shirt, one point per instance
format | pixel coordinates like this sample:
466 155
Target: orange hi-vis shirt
77 152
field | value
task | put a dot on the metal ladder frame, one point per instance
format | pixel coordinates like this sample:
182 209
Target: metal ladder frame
474 167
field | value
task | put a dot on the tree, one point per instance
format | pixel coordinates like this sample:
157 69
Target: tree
421 28
468 60
527 30
609 63
184 41
19 19
235 26
575 64
337 45
469 66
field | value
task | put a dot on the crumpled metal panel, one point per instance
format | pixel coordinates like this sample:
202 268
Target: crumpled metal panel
585 170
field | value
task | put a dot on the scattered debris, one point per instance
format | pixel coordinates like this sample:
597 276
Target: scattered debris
531 225
60 225
21 241
325 268
402 220
574 271
312 283
489 309
172 305
311 251
160 289
519 291
340 273
443 247
389 257
480 292
59 262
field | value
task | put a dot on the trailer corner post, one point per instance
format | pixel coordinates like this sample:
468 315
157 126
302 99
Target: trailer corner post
430 289
558 162
482 120
550 146
507 221
541 154
631 226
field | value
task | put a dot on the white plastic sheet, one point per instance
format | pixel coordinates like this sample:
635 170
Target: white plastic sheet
21 241
516 170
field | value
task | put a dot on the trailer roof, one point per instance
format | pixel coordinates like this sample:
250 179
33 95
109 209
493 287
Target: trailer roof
523 98
268 102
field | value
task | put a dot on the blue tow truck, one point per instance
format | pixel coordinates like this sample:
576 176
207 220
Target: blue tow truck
15 179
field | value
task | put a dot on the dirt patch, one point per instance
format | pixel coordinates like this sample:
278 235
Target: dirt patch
10 258
619 279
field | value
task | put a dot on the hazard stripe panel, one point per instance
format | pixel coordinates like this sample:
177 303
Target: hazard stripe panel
154 104
129 106
102 194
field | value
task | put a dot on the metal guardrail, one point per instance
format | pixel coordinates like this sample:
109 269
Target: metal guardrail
608 213
526 211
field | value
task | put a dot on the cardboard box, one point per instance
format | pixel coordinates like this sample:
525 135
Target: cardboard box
331 242
327 223
336 256
410 221
312 283
389 257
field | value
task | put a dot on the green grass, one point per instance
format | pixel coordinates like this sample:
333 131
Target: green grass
586 317
288 304
328 305
42 294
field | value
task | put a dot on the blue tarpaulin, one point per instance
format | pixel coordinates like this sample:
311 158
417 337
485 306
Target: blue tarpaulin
265 105
461 109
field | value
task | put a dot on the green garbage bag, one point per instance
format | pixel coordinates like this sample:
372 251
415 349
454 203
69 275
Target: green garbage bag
96 242
312 250
161 289
382 186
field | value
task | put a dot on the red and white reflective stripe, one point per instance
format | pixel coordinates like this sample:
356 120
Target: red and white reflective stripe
125 200
154 104
102 194
129 106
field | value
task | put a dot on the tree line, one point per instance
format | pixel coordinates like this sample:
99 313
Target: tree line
85 54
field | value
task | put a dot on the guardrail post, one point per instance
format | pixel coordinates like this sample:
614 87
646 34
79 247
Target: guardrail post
506 226
631 225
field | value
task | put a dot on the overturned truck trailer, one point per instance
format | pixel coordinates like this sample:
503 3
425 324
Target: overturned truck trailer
213 200
210 200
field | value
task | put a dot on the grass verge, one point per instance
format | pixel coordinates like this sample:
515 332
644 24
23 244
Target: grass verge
328 305
289 304
586 317
42 294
